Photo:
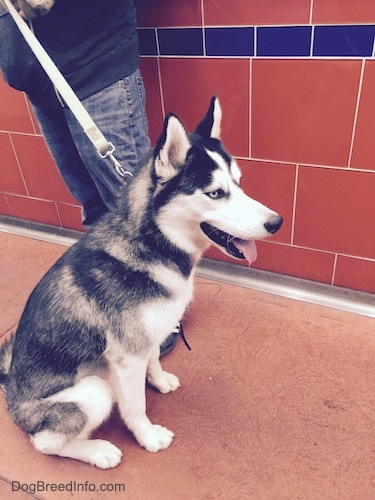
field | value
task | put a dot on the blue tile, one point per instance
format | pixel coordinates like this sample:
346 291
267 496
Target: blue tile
180 41
284 41
229 41
350 41
147 42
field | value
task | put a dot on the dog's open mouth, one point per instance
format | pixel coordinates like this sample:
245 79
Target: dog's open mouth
240 249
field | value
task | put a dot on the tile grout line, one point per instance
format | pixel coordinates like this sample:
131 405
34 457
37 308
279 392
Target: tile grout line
19 165
334 269
311 11
355 121
311 55
312 28
250 105
157 43
28 105
294 206
203 30
160 87
8 204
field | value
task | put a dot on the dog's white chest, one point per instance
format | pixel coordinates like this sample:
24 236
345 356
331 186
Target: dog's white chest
162 315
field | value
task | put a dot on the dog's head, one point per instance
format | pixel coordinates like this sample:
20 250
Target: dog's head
198 195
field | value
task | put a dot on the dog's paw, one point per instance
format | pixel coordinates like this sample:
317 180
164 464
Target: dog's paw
165 382
157 438
103 454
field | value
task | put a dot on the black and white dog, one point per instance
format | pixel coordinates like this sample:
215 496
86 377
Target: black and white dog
90 333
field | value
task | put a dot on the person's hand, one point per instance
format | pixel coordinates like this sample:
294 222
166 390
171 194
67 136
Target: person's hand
32 8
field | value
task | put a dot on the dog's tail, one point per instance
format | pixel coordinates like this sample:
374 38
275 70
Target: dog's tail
5 359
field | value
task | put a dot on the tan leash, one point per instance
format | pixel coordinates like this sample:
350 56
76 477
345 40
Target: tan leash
104 148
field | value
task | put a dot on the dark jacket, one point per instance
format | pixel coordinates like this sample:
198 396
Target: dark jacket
93 42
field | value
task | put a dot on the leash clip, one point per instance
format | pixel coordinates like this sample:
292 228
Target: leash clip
109 154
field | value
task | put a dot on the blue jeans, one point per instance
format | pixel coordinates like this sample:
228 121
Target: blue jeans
119 112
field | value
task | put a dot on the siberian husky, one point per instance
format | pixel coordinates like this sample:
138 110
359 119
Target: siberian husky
90 332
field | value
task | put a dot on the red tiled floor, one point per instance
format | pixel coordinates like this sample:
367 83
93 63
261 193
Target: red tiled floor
277 401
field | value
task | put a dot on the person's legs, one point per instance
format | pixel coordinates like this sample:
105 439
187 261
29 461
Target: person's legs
58 138
119 112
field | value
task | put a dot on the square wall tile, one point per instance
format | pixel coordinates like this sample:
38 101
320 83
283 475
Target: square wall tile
147 42
165 13
357 274
284 41
33 118
188 85
14 112
229 41
298 262
335 211
11 180
242 12
71 216
303 110
273 185
35 210
343 11
180 41
39 171
149 70
363 156
343 41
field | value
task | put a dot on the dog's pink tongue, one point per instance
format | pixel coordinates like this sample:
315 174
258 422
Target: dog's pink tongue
248 248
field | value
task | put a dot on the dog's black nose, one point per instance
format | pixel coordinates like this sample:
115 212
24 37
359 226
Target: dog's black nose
273 224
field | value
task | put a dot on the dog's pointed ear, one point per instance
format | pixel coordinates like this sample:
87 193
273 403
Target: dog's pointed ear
171 149
210 126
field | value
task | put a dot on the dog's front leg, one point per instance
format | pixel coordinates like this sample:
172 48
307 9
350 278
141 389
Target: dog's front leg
163 381
129 383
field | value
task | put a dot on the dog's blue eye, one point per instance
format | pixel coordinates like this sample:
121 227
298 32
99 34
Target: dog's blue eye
215 195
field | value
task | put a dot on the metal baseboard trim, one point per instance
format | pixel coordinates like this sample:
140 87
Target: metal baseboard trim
263 281
41 232
343 299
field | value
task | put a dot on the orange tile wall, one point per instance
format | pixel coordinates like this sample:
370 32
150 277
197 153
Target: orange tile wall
301 129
